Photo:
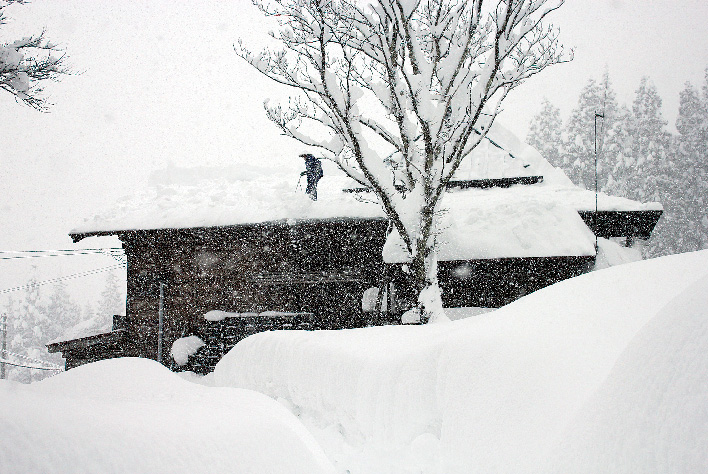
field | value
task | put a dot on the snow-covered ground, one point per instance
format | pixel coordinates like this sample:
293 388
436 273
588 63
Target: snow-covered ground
601 373
135 416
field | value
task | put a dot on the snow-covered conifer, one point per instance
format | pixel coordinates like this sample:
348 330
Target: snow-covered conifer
545 133
688 201
580 139
112 301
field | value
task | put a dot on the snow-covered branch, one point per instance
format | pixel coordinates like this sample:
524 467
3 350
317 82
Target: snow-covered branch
27 62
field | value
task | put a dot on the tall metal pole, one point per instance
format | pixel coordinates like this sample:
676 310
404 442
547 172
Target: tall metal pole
3 350
595 218
160 322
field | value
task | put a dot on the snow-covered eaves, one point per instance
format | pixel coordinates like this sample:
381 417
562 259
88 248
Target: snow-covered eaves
72 344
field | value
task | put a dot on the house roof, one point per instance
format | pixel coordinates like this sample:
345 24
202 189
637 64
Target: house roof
523 220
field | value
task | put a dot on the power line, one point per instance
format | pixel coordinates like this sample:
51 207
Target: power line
62 250
26 358
22 254
67 277
44 365
4 361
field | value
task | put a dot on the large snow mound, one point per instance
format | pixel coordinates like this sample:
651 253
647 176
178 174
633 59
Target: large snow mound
498 392
651 414
135 416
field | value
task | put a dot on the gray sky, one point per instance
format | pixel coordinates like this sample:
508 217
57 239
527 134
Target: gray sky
159 83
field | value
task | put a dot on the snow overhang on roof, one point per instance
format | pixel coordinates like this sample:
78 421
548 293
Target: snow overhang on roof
498 224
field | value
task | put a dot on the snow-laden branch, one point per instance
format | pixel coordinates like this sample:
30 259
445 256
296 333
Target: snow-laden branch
26 63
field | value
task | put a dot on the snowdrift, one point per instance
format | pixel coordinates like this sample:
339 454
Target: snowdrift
135 416
651 413
601 373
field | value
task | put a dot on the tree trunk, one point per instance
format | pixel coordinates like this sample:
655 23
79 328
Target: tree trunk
424 267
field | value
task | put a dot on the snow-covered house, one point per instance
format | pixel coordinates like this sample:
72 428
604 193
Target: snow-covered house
229 252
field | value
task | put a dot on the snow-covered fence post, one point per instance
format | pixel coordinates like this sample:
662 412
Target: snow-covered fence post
398 92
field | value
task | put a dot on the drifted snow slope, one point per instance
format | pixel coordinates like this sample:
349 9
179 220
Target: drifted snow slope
135 416
651 414
615 353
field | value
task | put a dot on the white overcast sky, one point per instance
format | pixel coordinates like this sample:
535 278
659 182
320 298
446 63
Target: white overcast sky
159 83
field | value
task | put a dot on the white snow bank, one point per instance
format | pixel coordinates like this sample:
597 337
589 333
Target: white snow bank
184 347
651 413
491 393
135 416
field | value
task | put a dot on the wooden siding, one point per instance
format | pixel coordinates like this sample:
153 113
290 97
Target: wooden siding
321 268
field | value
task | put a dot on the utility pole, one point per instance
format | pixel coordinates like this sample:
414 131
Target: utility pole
3 346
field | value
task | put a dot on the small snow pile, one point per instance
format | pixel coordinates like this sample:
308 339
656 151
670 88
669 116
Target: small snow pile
135 416
218 315
498 392
610 253
184 347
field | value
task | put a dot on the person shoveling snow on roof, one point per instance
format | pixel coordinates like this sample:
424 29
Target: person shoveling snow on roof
313 170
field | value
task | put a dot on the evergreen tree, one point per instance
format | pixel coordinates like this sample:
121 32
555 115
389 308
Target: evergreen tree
580 139
545 133
34 321
112 301
645 156
690 196
683 180
27 324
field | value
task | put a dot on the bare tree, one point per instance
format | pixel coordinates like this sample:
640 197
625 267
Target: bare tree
398 92
27 62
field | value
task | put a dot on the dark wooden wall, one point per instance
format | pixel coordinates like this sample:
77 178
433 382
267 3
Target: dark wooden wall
322 268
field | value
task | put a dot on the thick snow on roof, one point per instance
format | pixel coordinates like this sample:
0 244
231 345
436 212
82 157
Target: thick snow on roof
500 223
208 197
245 194
601 372
501 154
